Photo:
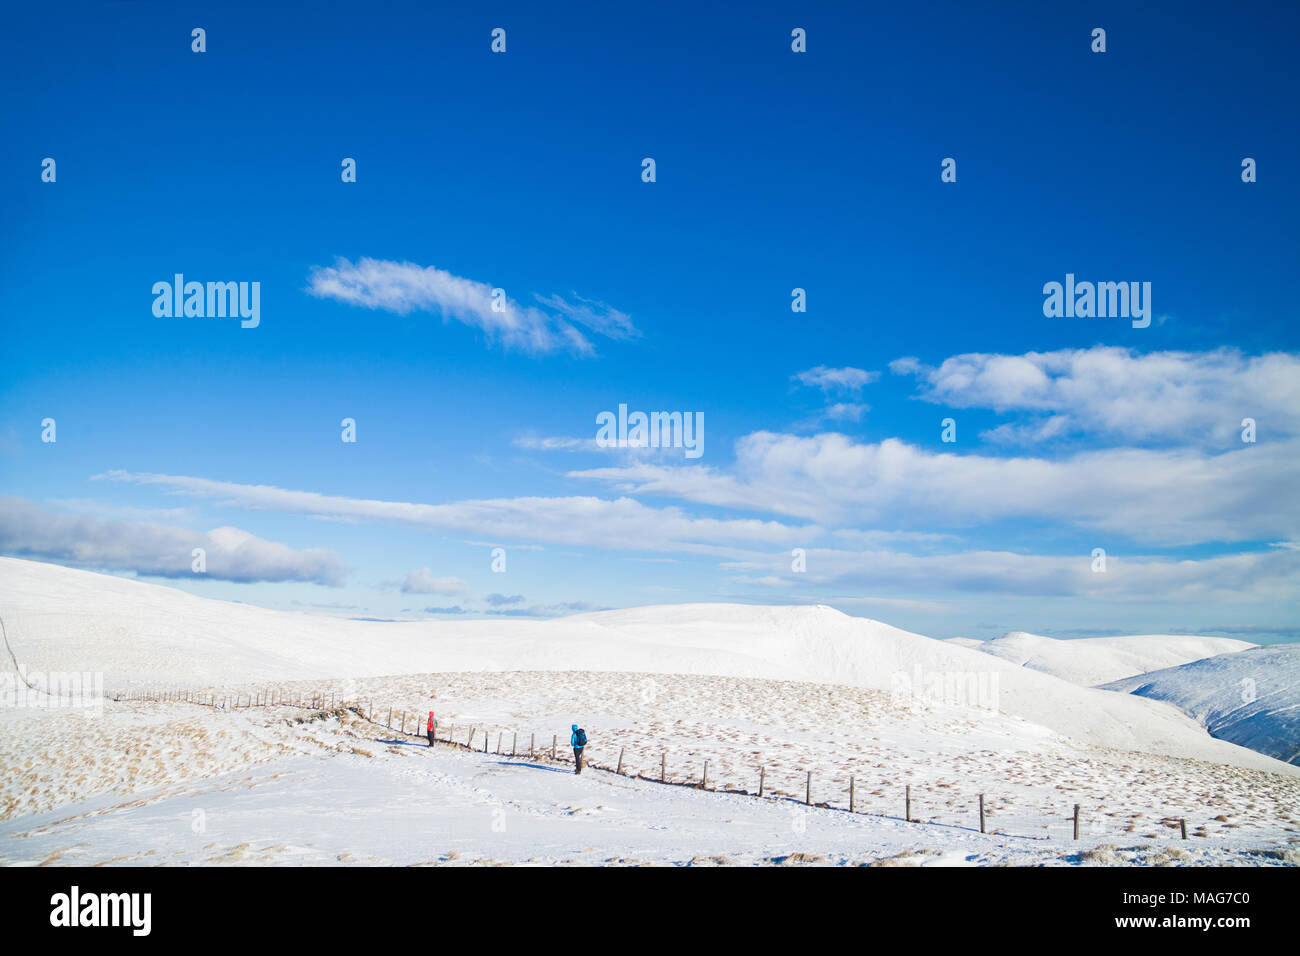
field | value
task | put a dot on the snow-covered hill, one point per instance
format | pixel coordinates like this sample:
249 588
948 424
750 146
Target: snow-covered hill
809 701
1251 698
137 633
1098 660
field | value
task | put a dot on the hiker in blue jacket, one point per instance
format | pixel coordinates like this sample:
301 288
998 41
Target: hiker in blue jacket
578 740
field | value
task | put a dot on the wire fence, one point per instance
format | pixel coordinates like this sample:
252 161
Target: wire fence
924 803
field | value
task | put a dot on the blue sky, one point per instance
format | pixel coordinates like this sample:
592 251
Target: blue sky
775 170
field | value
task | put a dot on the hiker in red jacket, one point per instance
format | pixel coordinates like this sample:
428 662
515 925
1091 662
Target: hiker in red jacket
433 728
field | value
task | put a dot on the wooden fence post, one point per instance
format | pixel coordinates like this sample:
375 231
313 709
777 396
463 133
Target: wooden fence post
498 741
704 778
469 741
1182 826
850 793
807 796
907 806
1076 821
663 766
981 813
554 737
762 771
514 744
620 760
532 744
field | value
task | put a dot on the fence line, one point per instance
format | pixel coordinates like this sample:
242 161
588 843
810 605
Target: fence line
982 813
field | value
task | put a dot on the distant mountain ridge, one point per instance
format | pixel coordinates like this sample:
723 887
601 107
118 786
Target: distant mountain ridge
1251 698
1090 661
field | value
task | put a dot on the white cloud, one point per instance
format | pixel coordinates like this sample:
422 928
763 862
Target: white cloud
423 582
404 287
846 411
901 479
847 379
1173 497
163 550
1187 398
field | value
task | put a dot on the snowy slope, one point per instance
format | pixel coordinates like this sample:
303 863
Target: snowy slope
1251 698
137 633
1097 660
403 805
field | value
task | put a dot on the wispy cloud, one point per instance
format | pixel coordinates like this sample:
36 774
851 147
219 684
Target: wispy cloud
847 379
845 412
575 521
555 443
597 316
1234 578
405 287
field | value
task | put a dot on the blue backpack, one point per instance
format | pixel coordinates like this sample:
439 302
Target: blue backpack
580 737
